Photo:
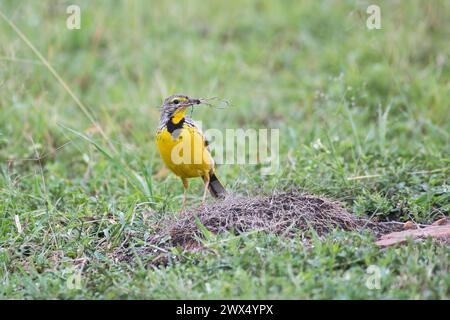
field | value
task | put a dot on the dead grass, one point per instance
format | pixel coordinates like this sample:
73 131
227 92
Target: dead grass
282 213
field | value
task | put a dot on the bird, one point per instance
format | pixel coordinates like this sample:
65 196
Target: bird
184 148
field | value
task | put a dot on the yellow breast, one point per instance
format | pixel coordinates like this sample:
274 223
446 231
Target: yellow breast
184 152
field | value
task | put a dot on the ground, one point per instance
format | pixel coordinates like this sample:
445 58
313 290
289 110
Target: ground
363 118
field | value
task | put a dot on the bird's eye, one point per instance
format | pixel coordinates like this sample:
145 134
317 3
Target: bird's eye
176 101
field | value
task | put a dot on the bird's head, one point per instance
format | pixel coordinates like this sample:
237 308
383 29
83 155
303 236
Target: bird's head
175 106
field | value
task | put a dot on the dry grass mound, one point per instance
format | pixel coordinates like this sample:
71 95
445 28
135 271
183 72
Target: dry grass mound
283 213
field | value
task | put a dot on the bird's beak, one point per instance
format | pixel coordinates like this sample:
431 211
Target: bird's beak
192 102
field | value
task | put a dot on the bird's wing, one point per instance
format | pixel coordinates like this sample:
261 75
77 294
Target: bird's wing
192 123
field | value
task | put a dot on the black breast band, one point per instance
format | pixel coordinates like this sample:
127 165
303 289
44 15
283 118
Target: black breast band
171 127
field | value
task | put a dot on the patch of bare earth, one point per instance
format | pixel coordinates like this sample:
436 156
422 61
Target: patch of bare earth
438 230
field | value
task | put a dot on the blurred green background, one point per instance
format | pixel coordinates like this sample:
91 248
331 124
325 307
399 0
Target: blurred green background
349 102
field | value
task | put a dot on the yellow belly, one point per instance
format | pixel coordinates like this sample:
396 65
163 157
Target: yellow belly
185 154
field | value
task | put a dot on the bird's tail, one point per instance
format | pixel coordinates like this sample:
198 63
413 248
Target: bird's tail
215 187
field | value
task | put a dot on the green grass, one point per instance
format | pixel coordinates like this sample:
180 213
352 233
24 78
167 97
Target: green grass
349 102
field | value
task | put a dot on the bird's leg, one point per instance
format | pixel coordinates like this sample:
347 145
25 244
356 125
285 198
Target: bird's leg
183 202
185 187
206 179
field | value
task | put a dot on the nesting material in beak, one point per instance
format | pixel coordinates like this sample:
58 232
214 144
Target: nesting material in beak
192 102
